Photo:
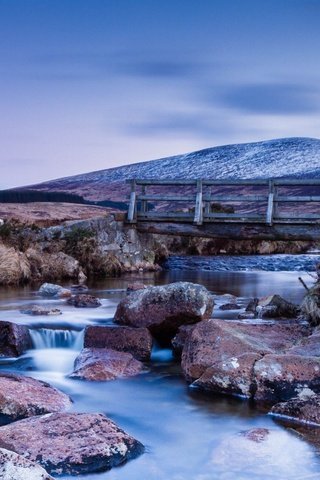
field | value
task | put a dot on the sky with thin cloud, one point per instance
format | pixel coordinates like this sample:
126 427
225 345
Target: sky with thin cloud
91 84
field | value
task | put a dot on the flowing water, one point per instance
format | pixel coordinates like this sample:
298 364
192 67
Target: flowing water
188 435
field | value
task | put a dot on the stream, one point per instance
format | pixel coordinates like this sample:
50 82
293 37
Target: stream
188 435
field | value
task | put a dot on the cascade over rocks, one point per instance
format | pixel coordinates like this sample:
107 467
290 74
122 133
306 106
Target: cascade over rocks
17 467
70 443
163 309
14 339
222 356
22 397
137 341
102 364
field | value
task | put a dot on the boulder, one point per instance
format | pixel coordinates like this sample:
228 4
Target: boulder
163 309
17 467
70 443
102 364
304 409
281 377
137 341
38 310
307 346
84 301
220 355
22 397
52 290
14 339
180 338
275 306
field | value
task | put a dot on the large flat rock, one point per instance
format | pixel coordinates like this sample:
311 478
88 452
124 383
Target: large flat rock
70 443
22 397
220 355
102 364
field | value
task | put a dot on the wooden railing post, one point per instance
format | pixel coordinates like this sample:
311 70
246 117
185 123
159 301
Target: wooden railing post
144 204
269 217
132 204
198 213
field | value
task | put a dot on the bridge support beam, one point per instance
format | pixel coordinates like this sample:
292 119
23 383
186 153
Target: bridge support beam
235 231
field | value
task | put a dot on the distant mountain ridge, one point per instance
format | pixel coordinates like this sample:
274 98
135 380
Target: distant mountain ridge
287 157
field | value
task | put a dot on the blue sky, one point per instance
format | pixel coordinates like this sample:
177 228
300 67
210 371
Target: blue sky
90 84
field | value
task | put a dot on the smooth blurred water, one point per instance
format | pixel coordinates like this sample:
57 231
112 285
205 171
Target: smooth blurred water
188 435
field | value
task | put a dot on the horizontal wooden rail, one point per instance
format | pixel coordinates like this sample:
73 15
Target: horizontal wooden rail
200 203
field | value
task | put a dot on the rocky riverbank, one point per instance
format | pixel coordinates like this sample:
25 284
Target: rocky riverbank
104 246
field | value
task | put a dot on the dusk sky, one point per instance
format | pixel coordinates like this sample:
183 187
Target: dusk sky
90 84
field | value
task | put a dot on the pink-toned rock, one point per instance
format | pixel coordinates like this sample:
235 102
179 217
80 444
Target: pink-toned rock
220 356
17 467
102 364
70 443
84 301
281 377
14 339
163 309
133 287
24 397
305 409
180 338
137 341
307 346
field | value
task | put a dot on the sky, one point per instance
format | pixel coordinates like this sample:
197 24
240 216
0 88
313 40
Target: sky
91 84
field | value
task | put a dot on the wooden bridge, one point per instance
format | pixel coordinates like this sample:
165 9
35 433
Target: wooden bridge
275 209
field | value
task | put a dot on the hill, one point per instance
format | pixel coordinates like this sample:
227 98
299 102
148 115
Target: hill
287 157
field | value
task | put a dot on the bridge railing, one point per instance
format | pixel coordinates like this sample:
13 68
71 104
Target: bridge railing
266 201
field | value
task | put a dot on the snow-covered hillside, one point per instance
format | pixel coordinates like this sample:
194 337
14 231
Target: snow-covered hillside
297 157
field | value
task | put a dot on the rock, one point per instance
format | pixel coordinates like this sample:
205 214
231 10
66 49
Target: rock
246 316
281 377
163 309
275 306
71 443
252 306
137 341
305 409
84 301
14 339
307 346
38 310
133 287
82 278
22 397
52 290
180 338
230 306
17 467
14 266
102 364
220 356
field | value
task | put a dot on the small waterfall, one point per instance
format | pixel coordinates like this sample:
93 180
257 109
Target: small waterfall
43 338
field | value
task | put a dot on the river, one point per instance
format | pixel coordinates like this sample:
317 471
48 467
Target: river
188 435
